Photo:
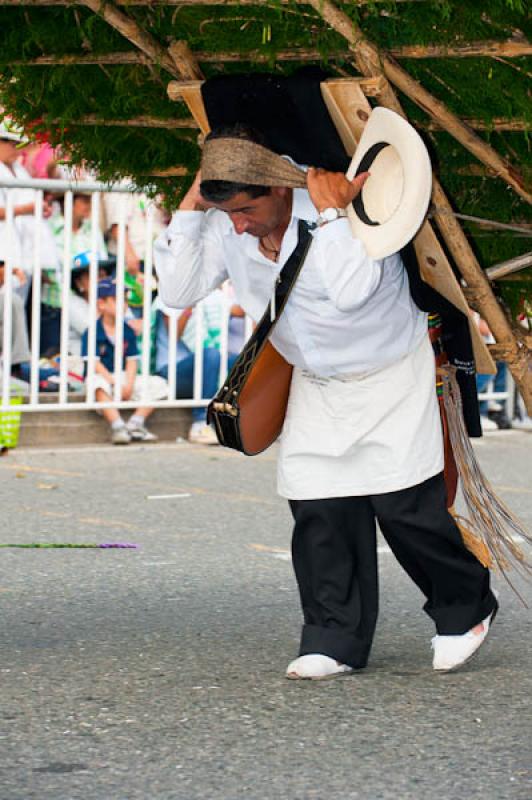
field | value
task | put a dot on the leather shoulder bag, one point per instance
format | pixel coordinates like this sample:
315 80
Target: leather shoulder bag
249 410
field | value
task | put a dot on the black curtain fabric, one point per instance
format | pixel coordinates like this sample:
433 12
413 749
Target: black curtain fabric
456 338
288 112
293 119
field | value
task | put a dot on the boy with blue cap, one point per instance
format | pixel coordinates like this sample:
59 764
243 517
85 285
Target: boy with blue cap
104 378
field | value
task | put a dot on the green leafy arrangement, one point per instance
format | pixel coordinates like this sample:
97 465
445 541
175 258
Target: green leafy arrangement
54 99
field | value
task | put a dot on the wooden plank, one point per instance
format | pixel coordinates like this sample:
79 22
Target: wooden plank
349 110
372 87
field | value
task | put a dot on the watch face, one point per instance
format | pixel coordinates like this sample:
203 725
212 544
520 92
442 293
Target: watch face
329 214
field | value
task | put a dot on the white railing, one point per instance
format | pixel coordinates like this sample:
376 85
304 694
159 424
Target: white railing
32 401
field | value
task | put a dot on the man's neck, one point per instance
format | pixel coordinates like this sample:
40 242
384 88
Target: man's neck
277 234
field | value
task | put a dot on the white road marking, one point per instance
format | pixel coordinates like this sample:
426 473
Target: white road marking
168 496
285 555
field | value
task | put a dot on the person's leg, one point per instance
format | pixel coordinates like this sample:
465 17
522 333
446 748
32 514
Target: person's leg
497 409
335 561
20 347
119 431
482 384
50 330
427 543
200 432
156 389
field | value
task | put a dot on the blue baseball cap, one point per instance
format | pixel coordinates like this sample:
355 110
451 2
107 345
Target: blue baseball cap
107 288
82 261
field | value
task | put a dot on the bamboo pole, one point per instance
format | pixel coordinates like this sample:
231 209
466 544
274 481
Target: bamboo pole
498 271
510 48
135 122
84 59
132 31
496 124
298 54
303 54
518 356
370 61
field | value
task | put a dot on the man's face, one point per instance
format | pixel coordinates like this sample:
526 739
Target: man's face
257 216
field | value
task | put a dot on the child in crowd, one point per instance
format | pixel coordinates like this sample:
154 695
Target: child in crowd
210 315
80 242
131 383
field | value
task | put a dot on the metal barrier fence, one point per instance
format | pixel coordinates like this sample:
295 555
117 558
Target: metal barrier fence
33 401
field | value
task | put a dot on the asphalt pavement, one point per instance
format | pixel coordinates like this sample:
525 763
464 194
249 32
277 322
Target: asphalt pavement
157 673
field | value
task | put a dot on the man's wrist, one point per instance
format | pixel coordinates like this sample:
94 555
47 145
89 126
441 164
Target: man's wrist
330 214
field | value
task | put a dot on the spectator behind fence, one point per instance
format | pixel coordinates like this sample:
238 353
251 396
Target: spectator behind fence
81 243
23 234
130 382
78 317
492 413
20 349
135 236
211 310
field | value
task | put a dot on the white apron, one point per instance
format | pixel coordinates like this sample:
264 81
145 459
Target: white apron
362 434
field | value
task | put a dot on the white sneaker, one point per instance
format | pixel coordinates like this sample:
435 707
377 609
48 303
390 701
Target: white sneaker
120 435
451 652
140 433
488 424
316 667
201 433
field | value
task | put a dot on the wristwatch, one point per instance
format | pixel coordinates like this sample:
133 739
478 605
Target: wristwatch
329 215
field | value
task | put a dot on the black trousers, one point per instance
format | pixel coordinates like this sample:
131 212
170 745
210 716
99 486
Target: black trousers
335 561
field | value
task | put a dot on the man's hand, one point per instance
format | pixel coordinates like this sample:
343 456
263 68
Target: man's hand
333 189
193 201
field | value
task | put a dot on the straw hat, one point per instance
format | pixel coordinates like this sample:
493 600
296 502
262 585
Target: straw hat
393 202
11 132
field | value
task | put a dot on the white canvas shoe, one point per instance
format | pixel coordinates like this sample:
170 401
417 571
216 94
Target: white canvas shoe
316 667
452 652
201 433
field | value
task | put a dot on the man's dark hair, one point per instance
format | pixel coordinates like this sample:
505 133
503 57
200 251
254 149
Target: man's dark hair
220 191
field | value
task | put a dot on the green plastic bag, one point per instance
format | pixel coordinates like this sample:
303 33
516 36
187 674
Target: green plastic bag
10 425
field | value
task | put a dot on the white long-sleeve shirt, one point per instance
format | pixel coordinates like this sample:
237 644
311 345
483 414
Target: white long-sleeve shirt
347 312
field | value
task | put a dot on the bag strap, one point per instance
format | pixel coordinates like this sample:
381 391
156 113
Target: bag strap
283 286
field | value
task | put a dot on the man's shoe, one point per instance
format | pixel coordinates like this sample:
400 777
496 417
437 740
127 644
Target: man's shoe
201 433
120 435
452 652
140 433
488 424
316 667
500 419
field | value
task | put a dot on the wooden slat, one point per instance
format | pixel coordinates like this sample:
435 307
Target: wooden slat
372 87
349 110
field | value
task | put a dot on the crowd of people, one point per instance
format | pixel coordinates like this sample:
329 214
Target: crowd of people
18 160
40 161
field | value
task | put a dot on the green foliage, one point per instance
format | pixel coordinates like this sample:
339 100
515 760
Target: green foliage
55 98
